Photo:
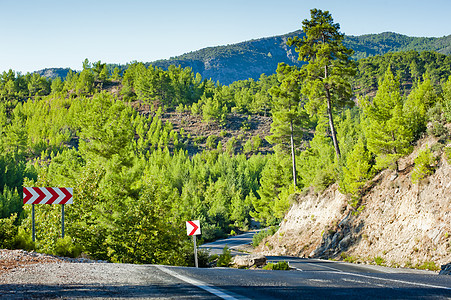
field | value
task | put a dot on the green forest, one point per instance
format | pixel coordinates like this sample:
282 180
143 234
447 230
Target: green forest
137 178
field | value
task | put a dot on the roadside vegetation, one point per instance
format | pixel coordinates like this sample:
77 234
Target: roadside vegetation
138 178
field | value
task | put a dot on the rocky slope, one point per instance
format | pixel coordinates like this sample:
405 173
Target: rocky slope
398 223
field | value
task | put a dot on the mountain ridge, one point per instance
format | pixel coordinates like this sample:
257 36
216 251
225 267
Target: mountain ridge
250 59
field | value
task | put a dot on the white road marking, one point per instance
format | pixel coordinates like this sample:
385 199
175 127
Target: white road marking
398 281
378 278
325 267
200 284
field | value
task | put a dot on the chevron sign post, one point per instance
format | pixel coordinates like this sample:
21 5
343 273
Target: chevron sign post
47 195
193 228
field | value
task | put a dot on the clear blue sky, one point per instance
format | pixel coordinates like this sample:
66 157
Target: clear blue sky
37 34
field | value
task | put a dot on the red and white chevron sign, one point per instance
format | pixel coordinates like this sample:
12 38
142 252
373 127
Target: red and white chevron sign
193 227
47 195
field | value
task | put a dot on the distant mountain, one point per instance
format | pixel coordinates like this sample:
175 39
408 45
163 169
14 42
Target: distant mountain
379 44
54 72
250 59
227 64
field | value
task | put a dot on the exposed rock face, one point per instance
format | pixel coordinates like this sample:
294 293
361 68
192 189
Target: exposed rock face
247 261
399 223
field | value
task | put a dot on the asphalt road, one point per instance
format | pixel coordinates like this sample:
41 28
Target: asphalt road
123 281
233 243
315 278
314 284
309 279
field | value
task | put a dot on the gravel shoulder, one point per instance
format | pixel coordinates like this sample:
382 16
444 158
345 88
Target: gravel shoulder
26 275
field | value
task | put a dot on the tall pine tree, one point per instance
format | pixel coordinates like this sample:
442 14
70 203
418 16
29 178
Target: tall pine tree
327 74
289 119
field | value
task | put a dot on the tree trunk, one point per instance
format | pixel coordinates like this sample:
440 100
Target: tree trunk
331 119
293 156
332 127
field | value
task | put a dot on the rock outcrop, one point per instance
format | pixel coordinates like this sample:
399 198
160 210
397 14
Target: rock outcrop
247 261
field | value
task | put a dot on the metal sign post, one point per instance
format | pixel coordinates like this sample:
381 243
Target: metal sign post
195 252
193 228
62 221
33 234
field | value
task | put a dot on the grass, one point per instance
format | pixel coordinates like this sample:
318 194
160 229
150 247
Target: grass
281 265
428 265
379 261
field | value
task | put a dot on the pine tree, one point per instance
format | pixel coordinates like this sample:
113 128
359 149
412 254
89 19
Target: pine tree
385 126
358 169
420 99
327 74
289 120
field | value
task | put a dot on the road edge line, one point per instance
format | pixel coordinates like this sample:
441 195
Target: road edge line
396 280
200 284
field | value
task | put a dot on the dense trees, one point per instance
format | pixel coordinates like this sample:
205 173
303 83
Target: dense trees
386 126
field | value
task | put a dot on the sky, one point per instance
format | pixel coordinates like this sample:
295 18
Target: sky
38 34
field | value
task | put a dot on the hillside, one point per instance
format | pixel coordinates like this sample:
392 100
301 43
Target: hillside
398 224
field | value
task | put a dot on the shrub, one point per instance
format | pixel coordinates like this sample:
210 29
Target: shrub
424 165
281 265
379 260
428 265
257 142
211 142
247 148
67 248
448 154
203 257
7 232
225 258
437 129
24 240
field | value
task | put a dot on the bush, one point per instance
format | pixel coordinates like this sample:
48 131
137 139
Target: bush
24 240
281 265
211 142
437 129
448 154
203 257
67 248
428 265
258 237
8 231
225 258
424 165
379 260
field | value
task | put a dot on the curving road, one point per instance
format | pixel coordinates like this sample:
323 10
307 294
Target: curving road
310 279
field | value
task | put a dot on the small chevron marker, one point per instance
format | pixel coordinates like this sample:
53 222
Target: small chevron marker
193 227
